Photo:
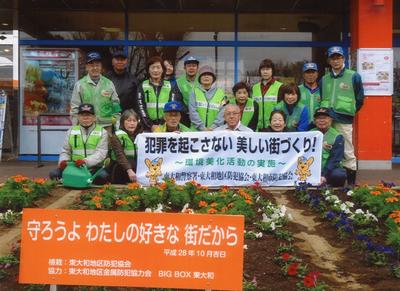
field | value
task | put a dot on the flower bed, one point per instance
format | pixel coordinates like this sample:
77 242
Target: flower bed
19 192
365 221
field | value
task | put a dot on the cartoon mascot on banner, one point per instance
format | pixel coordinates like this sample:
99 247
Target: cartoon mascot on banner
154 170
303 168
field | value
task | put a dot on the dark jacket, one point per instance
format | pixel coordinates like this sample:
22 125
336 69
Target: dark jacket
174 95
126 86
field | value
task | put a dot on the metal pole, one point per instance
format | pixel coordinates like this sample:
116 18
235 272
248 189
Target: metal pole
39 142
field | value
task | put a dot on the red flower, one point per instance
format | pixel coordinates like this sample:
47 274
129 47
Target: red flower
286 256
311 279
309 282
292 270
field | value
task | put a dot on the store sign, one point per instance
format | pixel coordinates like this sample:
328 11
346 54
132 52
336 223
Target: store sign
230 158
110 248
376 69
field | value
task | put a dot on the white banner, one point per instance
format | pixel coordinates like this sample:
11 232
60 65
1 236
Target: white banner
228 158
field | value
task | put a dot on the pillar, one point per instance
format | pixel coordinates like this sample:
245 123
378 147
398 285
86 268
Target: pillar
371 24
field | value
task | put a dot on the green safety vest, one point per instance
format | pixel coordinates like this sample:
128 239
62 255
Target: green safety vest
186 87
79 148
182 128
266 103
155 104
127 144
310 100
248 111
329 139
338 93
100 97
208 110
292 120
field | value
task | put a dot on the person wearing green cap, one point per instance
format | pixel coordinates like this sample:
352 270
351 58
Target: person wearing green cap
97 90
342 92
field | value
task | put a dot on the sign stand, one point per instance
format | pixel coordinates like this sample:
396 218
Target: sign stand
3 103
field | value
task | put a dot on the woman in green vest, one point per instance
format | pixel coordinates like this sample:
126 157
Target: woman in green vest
265 92
153 93
248 108
296 113
123 154
206 102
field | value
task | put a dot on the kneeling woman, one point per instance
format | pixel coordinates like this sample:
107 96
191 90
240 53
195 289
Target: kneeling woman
123 166
296 113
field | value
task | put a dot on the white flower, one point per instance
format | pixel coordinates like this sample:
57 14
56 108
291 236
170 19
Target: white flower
327 192
359 211
349 204
350 193
245 247
259 235
159 208
272 225
185 207
148 210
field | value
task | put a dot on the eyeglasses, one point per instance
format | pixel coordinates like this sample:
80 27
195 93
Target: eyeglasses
232 113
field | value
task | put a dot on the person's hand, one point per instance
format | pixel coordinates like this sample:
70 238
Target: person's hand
154 128
80 163
62 165
323 180
131 175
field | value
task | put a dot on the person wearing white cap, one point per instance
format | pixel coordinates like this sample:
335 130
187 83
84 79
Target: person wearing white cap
309 90
206 102
342 92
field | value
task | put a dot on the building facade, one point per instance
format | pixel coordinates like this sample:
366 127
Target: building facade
45 43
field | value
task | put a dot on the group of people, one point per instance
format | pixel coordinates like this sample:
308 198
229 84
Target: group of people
110 110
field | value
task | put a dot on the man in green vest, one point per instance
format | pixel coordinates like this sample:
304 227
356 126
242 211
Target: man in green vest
332 172
309 90
187 82
342 92
97 90
85 144
172 116
265 92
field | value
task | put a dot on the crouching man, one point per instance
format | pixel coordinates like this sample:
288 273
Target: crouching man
332 150
85 143
172 116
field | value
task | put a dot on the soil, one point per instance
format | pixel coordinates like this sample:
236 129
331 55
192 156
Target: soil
316 243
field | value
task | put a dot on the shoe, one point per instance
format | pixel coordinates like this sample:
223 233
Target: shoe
351 177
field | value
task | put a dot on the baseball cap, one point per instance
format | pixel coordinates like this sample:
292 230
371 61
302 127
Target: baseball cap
191 60
173 106
322 111
310 66
86 108
119 53
335 50
93 56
